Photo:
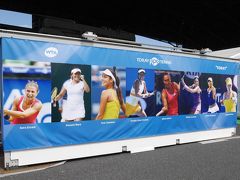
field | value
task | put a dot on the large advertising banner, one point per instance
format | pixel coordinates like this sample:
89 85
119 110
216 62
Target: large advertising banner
59 94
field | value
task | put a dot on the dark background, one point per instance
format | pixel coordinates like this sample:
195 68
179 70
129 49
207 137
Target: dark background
193 24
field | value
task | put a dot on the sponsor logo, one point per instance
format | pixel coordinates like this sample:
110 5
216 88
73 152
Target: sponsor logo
221 68
51 52
153 61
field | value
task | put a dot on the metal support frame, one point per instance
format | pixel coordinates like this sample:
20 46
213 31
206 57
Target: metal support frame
8 162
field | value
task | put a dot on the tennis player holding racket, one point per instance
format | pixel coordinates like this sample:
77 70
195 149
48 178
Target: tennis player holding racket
138 91
75 87
25 108
196 91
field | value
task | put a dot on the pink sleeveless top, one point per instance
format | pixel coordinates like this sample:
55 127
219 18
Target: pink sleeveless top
28 120
172 100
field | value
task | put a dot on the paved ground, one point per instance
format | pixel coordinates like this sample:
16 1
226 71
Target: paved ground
211 161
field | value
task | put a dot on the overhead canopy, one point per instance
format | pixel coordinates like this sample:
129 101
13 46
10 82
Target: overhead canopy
231 53
196 24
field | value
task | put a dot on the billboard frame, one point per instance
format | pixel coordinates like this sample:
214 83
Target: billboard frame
33 156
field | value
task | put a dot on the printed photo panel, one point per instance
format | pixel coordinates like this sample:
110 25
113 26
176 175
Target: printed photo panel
219 93
141 99
71 92
207 93
108 92
167 86
26 89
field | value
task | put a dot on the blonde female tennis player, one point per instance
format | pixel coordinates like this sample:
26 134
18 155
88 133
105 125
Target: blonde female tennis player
229 97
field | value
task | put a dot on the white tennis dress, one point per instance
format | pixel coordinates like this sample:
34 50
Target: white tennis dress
74 107
141 88
132 100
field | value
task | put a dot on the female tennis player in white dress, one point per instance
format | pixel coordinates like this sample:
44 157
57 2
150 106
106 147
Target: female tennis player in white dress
74 109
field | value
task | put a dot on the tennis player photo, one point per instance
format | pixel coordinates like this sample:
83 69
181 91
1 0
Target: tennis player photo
207 93
168 85
140 101
218 93
25 101
229 99
71 97
108 93
190 93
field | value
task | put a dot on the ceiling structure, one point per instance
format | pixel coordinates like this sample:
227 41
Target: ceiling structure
195 24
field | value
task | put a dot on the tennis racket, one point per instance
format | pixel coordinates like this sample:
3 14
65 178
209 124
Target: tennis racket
53 95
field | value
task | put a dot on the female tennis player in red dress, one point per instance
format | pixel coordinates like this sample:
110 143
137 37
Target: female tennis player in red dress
25 108
170 95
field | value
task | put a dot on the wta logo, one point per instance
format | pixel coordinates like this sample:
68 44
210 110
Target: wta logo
153 61
51 52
